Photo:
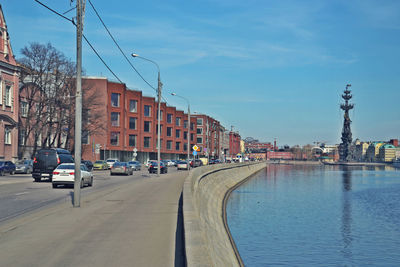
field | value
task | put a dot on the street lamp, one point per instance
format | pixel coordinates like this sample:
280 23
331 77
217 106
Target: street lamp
159 86
188 136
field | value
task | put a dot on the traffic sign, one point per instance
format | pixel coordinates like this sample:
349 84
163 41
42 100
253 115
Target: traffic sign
194 153
135 150
195 148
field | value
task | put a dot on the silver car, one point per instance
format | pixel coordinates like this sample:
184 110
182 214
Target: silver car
121 168
24 166
136 165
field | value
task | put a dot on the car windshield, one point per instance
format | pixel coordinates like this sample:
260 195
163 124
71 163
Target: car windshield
99 162
111 160
2 163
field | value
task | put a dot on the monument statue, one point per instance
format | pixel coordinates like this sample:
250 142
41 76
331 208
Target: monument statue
344 147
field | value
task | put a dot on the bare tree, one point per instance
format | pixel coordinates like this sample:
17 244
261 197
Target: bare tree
48 85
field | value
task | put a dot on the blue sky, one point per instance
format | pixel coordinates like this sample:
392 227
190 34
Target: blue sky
272 69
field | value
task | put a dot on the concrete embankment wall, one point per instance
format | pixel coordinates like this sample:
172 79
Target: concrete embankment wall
207 238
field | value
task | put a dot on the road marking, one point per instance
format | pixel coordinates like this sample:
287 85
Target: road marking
22 193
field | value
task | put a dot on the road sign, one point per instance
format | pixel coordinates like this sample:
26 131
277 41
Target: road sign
134 154
194 153
135 150
195 148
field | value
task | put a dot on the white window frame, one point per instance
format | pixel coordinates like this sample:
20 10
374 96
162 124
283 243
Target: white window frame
7 136
130 106
1 92
8 95
24 109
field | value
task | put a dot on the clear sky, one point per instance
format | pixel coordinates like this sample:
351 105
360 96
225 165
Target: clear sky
272 69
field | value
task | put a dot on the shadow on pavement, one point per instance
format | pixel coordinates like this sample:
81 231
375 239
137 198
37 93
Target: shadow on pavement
180 259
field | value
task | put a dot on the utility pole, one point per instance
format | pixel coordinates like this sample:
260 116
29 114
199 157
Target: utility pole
78 104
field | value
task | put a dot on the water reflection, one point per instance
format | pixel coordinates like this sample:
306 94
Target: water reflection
318 216
346 215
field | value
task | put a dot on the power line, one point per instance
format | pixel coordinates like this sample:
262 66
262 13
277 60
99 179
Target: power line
122 52
91 46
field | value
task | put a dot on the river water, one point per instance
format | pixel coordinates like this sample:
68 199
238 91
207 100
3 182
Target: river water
289 215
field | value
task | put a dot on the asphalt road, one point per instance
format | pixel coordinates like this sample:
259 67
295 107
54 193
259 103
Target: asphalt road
123 221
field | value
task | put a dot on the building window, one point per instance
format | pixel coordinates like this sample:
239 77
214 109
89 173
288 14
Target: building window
185 135
85 137
200 121
169 118
21 138
178 146
132 123
132 140
185 124
24 109
8 96
199 140
146 142
169 131
185 147
178 121
146 127
178 133
7 136
160 129
161 115
114 138
169 145
115 99
147 110
115 119
191 137
191 126
132 105
199 131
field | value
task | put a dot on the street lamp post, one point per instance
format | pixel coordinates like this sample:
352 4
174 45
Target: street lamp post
188 136
159 86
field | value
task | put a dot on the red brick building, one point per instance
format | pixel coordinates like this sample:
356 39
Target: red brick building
131 123
207 136
234 144
9 104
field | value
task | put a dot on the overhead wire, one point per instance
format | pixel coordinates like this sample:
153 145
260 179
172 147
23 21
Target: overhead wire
91 46
120 49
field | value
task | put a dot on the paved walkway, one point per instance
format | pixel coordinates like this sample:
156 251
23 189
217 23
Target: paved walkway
133 225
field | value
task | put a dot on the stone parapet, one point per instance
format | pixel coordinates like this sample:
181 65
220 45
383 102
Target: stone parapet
207 237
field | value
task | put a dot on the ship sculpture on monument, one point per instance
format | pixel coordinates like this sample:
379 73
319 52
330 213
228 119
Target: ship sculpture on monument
345 146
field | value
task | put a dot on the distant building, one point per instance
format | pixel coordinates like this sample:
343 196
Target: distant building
9 104
360 151
373 151
387 153
234 144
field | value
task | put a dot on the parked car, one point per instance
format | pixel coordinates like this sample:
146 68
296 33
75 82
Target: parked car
110 162
196 163
46 160
121 168
7 167
182 165
24 166
100 165
169 162
154 166
64 174
136 165
88 164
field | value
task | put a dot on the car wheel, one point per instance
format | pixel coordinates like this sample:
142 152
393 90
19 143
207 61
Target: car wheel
82 183
91 181
54 186
12 172
37 180
1 173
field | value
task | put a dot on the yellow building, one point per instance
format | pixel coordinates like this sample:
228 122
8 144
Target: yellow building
387 153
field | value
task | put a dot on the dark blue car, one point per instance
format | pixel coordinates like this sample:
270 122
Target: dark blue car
6 167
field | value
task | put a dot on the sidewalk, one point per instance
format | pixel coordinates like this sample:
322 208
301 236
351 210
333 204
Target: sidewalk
133 225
